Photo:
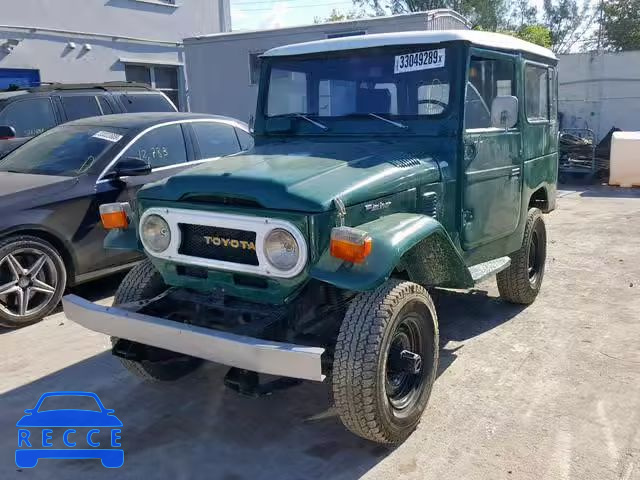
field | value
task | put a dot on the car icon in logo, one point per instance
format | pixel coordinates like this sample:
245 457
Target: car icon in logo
69 433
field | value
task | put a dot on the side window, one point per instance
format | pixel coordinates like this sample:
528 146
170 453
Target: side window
29 117
215 139
536 92
246 140
80 106
104 105
488 79
160 147
145 102
287 92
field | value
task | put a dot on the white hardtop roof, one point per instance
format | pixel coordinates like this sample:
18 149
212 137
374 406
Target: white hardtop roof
484 39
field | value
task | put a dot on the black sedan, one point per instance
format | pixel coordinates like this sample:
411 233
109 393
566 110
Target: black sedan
51 189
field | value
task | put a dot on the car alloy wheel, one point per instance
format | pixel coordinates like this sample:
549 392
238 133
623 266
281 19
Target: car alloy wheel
28 281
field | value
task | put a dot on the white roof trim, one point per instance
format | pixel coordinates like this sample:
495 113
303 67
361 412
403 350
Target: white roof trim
484 39
151 61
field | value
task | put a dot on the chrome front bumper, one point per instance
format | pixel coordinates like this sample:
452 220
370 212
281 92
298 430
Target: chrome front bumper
263 356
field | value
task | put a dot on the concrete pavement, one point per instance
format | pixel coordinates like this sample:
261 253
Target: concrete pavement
551 391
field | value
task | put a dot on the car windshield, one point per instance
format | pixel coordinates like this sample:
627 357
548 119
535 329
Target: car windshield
69 402
68 150
400 83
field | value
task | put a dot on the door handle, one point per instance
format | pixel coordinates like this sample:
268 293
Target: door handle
515 171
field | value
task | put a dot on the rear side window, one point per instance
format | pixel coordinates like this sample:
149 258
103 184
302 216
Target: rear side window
215 139
553 94
81 106
29 117
145 102
536 81
160 147
246 140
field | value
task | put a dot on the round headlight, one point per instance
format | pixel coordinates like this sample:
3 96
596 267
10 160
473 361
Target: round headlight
281 249
156 233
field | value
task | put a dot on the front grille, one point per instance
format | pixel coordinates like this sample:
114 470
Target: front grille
430 204
216 243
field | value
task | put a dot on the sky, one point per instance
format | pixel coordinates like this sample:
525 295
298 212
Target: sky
264 14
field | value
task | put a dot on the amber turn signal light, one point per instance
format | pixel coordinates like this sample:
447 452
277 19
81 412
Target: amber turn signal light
350 244
114 215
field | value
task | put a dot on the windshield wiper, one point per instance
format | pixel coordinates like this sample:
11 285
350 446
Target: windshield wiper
317 124
396 124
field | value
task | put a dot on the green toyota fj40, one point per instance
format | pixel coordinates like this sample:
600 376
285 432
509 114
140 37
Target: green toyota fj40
384 165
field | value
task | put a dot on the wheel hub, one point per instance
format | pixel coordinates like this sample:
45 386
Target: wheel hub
405 361
24 282
405 364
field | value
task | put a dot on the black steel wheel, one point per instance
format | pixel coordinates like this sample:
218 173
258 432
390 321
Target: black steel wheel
385 363
32 280
405 370
521 282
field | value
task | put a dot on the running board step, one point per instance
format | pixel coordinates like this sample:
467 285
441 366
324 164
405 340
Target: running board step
483 270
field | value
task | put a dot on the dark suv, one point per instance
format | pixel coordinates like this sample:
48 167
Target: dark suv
29 112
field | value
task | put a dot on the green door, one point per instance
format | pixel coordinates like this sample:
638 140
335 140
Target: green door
492 155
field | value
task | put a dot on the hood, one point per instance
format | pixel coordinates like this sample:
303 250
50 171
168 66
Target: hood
19 188
303 176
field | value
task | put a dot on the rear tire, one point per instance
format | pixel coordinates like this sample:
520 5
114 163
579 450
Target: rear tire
142 283
521 282
376 394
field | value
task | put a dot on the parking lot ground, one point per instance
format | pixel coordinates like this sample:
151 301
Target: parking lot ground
551 391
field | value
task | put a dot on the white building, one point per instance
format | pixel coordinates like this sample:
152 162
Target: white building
77 41
600 91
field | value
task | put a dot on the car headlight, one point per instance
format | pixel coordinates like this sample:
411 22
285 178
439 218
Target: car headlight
156 233
281 249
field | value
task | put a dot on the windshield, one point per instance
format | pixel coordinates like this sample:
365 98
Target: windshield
412 82
66 151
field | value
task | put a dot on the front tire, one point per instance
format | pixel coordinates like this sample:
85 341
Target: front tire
385 363
521 282
141 283
33 278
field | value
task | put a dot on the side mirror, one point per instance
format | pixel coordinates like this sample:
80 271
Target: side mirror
7 132
504 112
132 167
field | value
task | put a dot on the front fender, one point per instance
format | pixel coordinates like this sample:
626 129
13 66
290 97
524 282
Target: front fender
124 239
416 243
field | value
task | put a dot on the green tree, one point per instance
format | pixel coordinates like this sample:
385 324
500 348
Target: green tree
522 14
568 24
621 24
338 16
538 34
